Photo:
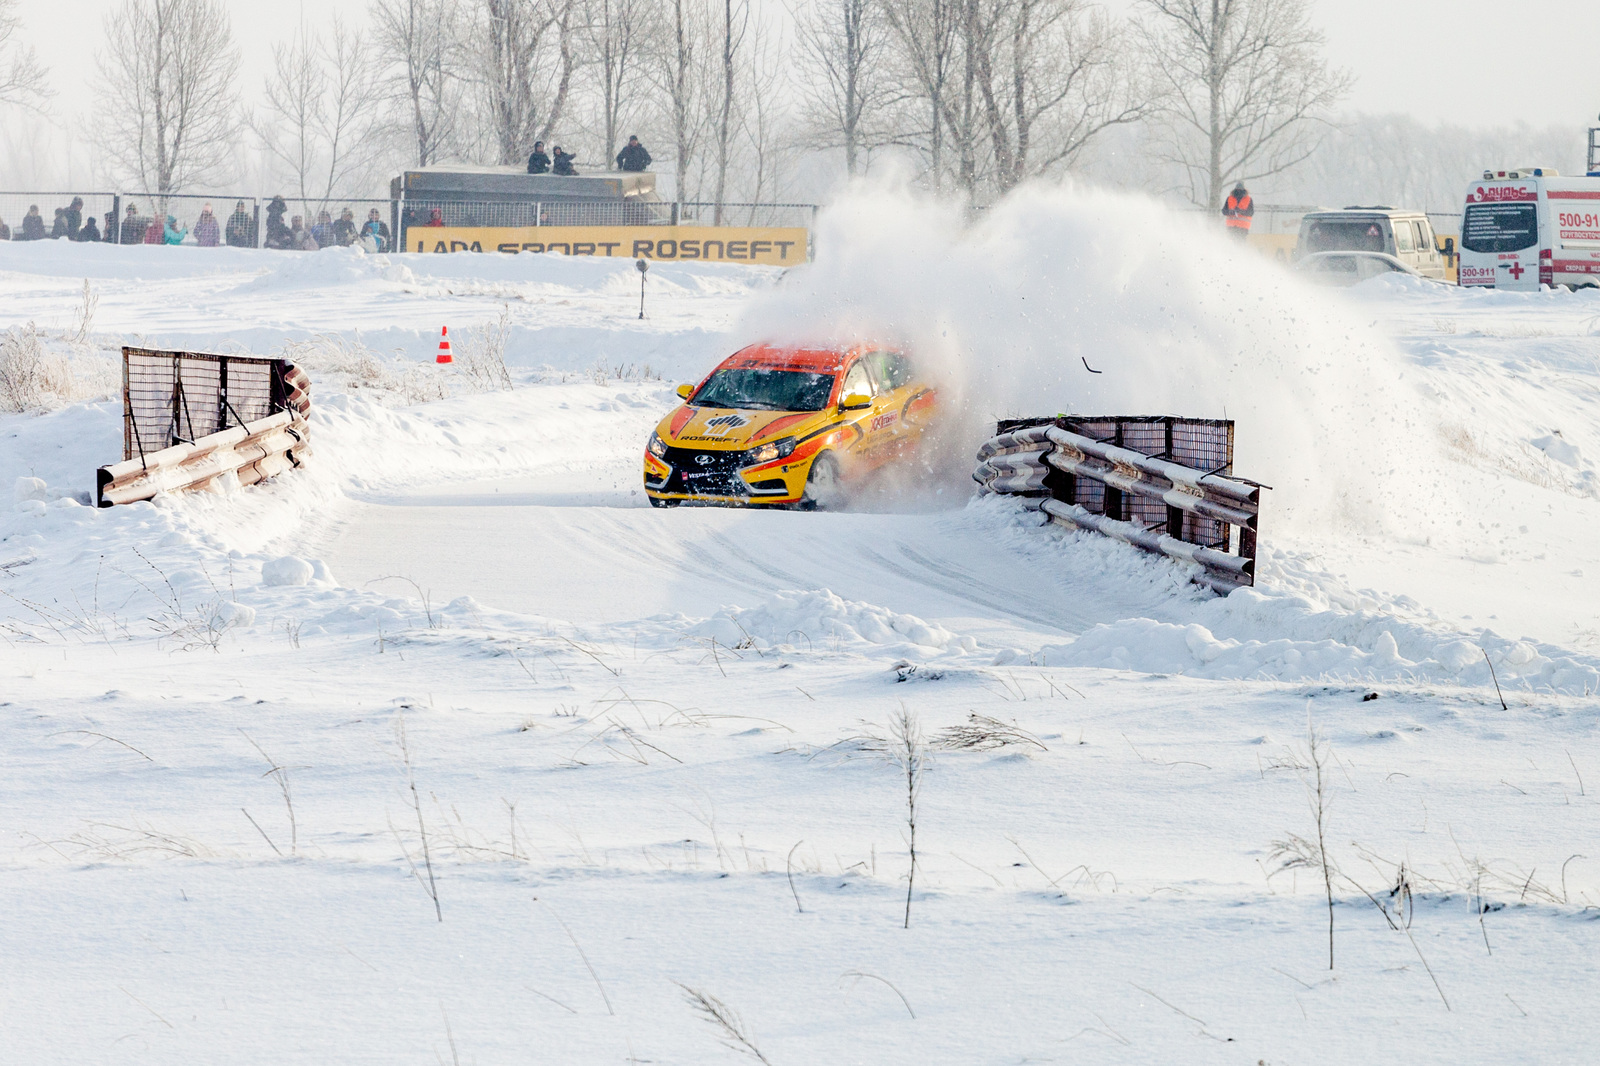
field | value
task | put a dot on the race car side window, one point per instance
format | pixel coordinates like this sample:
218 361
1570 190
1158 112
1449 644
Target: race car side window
857 380
890 370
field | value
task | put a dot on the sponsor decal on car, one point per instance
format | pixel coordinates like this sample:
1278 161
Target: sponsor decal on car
723 424
1493 194
888 418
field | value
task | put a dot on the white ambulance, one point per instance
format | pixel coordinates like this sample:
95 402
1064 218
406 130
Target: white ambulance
1530 226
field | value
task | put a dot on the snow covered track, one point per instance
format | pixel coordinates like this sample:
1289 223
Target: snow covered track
646 749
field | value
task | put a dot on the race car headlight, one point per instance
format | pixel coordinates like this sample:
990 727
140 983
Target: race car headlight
657 446
778 449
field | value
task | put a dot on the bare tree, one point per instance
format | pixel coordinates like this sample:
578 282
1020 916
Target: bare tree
846 42
618 33
728 38
764 119
677 73
1247 89
523 57
166 92
928 47
418 35
1053 76
318 120
22 77
909 750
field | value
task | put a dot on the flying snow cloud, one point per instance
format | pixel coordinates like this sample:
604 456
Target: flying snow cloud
1010 311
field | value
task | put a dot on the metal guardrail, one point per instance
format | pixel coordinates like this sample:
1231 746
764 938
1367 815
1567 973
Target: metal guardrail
1175 499
189 418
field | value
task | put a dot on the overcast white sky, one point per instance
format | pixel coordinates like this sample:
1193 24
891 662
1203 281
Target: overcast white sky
1471 62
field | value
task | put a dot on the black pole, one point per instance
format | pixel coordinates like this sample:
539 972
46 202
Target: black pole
642 267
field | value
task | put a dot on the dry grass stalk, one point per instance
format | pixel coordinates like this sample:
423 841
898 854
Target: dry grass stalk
730 1026
983 733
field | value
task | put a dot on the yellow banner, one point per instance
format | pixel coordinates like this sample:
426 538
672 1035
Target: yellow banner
721 244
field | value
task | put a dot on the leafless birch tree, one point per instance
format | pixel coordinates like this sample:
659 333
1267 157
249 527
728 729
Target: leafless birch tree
618 35
417 36
318 120
845 44
1247 89
677 72
167 107
1055 73
523 55
731 25
22 76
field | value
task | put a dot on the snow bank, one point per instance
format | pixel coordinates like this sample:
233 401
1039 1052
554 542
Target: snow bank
819 620
1173 316
328 268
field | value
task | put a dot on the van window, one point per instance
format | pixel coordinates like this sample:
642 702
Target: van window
1424 237
1344 235
1499 227
1402 237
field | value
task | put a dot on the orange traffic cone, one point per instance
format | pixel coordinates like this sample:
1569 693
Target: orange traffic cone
444 346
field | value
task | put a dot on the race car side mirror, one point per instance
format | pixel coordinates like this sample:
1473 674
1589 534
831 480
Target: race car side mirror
855 402
685 390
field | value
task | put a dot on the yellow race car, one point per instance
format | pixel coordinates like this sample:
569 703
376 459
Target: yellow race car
789 427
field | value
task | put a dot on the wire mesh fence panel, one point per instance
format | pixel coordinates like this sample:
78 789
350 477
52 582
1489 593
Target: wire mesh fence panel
34 215
291 222
172 397
473 214
1201 444
788 216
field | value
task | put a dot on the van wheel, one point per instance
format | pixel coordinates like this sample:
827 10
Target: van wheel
824 488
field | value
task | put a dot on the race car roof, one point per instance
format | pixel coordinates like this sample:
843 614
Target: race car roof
818 360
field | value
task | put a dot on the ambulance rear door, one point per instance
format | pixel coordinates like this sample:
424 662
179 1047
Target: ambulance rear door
1500 235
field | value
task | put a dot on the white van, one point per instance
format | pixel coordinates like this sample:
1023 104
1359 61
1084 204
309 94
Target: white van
1405 235
1528 227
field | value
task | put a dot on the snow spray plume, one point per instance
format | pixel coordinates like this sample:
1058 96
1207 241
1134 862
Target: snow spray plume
1004 313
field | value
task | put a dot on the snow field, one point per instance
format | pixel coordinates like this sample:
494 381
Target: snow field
628 728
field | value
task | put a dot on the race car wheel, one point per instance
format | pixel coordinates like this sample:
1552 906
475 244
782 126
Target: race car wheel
824 489
656 501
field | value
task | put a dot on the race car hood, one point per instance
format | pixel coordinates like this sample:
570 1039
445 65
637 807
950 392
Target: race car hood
716 428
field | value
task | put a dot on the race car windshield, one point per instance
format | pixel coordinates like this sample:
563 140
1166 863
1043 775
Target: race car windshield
755 388
1500 227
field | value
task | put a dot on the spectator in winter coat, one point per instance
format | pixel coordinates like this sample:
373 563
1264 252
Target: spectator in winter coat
240 232
538 162
58 228
111 228
5 230
155 232
344 230
133 226
174 233
563 163
300 237
322 232
206 230
377 230
278 235
32 225
89 231
74 218
437 218
633 158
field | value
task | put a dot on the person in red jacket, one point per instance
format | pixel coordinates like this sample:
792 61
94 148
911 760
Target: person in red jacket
1238 211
